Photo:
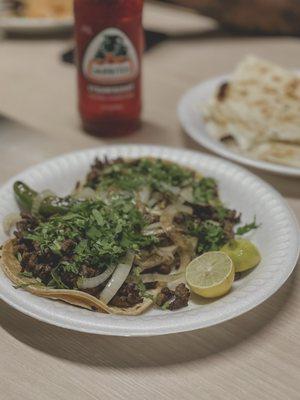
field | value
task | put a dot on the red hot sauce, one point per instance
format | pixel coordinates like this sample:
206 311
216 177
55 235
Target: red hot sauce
109 43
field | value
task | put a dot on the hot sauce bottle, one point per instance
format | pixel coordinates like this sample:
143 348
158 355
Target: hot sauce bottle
109 44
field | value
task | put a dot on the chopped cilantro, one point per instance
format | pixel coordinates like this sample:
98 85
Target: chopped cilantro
166 305
222 212
57 280
210 234
130 176
102 233
205 191
242 230
140 285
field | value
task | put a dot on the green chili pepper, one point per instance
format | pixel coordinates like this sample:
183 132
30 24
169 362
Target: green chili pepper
54 205
24 195
51 205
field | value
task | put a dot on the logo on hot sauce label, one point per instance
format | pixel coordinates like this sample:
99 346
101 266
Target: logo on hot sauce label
110 58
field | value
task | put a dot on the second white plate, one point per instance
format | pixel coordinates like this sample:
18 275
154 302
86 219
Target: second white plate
190 116
19 25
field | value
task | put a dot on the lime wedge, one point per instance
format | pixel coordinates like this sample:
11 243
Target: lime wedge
210 275
243 253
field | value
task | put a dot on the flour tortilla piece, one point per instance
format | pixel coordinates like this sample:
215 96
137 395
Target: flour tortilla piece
12 269
278 152
220 131
262 103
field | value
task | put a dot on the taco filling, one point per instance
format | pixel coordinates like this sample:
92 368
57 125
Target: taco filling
122 239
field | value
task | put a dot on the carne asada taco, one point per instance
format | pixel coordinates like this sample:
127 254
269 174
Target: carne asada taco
121 241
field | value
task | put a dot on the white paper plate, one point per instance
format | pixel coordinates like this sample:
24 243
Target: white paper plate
189 112
277 239
20 25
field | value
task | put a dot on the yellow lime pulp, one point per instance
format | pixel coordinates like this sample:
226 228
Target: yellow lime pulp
210 275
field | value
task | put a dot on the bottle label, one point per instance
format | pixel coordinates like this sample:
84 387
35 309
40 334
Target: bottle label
110 59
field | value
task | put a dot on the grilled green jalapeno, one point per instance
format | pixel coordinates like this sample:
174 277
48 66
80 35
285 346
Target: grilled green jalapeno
26 196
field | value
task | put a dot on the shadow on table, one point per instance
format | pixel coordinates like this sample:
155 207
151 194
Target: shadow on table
118 352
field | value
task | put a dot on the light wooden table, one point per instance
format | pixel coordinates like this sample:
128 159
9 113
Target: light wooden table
255 356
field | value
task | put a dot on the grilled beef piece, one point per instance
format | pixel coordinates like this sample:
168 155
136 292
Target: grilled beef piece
21 247
95 171
208 212
165 295
93 177
28 223
179 218
31 263
233 216
182 295
151 285
43 271
177 298
68 246
127 296
164 269
160 269
95 291
69 279
88 271
204 212
231 220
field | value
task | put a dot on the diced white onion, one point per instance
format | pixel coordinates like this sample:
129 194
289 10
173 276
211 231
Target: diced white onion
185 259
147 278
90 283
152 261
170 212
159 256
116 281
152 226
10 221
156 232
152 229
172 285
172 189
144 194
187 246
85 194
167 251
184 209
155 198
155 212
187 194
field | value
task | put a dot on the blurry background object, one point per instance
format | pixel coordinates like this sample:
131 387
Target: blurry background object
36 16
39 8
256 16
